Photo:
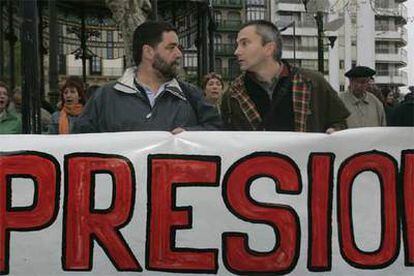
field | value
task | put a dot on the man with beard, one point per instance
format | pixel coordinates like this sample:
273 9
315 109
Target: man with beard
149 96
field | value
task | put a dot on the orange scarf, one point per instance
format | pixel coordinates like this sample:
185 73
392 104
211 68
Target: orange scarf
68 110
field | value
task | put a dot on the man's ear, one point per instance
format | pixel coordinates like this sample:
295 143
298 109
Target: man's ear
147 52
270 48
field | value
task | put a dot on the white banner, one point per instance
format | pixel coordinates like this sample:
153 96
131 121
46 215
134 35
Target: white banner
208 203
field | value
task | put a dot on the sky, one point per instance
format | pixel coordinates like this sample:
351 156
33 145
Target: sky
410 28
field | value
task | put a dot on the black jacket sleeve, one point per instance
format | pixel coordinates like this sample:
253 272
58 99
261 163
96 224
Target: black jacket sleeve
208 117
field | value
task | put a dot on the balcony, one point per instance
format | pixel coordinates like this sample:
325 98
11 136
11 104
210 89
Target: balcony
303 52
106 71
227 73
224 49
228 25
399 78
289 5
400 35
236 4
384 55
399 12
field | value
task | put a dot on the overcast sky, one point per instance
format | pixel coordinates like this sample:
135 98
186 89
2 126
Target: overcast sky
410 27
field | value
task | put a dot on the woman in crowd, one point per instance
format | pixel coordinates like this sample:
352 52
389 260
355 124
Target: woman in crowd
10 122
213 87
389 103
71 106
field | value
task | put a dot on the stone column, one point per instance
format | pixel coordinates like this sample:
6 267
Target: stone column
129 14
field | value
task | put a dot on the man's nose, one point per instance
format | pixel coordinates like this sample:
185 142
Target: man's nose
237 51
179 53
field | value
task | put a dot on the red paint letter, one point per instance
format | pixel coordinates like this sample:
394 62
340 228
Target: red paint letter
83 224
386 169
320 171
237 256
45 173
407 170
168 172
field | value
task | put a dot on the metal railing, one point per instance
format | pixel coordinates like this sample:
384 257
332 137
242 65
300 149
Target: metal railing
228 74
228 24
105 71
224 49
228 3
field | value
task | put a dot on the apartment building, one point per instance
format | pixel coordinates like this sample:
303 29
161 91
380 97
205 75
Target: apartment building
300 38
229 17
390 38
372 34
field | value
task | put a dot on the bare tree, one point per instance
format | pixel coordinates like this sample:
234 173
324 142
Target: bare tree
129 14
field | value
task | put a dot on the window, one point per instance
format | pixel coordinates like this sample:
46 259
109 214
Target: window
218 64
341 64
342 88
218 16
96 65
110 44
190 60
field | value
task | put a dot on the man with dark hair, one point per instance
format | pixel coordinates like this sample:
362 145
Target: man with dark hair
403 115
274 96
148 96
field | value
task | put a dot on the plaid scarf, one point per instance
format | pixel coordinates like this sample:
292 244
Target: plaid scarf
301 90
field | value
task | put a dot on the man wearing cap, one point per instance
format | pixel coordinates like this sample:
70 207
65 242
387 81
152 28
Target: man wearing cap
366 110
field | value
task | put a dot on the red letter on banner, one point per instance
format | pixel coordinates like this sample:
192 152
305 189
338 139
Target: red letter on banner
237 256
386 169
167 173
407 170
44 171
320 172
82 224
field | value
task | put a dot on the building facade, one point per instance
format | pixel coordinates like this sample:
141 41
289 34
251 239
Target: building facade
229 16
369 33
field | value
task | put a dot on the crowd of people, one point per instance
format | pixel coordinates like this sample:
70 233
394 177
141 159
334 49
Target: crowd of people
269 95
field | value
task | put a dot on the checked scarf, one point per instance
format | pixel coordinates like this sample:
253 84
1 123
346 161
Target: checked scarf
301 91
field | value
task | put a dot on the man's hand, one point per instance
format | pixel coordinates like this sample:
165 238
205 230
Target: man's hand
330 130
177 130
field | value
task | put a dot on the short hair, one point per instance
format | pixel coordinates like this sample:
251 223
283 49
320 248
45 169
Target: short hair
76 82
148 33
269 33
5 86
209 76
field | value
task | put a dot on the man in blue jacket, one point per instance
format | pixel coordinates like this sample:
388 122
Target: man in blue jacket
149 96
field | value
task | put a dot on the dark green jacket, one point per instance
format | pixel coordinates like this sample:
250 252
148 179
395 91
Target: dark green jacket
11 124
326 108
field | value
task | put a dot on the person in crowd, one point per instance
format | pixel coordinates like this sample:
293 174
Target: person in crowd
403 114
272 95
10 122
366 109
46 117
213 86
149 96
71 106
389 103
373 88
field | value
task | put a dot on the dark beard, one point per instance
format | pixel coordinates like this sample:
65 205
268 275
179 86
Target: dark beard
167 71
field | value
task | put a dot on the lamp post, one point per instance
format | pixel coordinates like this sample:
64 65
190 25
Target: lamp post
318 7
282 29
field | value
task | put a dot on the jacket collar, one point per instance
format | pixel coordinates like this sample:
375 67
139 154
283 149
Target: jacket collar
126 84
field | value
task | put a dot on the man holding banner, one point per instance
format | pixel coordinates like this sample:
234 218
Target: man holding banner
149 97
272 95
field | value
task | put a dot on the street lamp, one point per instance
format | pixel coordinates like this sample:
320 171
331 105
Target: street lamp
318 7
283 28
